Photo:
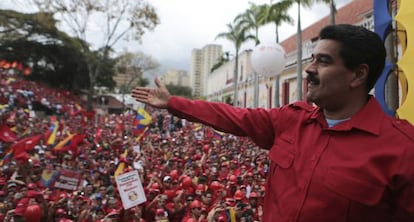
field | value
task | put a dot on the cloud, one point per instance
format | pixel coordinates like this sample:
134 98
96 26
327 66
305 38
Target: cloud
189 24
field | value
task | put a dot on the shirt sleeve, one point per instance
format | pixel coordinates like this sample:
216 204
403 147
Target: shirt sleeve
258 124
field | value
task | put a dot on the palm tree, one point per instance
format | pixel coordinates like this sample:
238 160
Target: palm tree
305 3
332 9
252 19
277 14
308 4
237 35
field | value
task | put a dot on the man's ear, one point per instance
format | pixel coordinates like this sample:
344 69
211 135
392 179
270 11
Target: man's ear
360 75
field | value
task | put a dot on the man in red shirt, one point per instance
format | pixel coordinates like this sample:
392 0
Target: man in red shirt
341 160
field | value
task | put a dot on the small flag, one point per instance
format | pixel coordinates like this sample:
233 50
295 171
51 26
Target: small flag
64 143
197 127
52 132
26 144
141 121
143 134
7 157
121 165
218 135
6 135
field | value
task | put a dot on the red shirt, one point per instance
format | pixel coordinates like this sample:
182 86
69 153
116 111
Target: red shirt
359 170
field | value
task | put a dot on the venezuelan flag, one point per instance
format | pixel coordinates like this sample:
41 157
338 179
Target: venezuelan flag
218 135
197 127
121 165
52 132
64 143
7 157
142 135
141 121
48 177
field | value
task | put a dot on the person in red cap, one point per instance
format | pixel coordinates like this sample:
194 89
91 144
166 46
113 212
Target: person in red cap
113 215
239 196
256 207
154 206
195 212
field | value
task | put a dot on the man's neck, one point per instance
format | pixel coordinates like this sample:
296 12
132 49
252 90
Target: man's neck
346 111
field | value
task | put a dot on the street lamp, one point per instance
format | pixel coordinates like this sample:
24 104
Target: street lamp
268 59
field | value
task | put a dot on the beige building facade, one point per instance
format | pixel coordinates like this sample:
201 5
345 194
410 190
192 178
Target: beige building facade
176 77
202 60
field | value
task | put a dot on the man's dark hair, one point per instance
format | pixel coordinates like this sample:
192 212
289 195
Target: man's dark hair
207 192
359 46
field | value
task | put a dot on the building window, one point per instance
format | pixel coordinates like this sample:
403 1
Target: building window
285 93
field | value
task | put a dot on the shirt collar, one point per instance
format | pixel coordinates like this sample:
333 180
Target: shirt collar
367 119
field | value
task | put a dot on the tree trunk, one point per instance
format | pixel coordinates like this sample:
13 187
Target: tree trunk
299 57
236 76
332 12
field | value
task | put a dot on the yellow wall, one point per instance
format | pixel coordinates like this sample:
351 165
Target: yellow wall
405 19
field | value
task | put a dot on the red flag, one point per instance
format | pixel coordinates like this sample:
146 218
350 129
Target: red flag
22 156
26 144
76 141
98 135
6 135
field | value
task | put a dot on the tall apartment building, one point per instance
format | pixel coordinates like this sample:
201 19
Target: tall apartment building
202 60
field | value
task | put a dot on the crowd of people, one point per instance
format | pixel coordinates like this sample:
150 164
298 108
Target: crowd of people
189 172
335 157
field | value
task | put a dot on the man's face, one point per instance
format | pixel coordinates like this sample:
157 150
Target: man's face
328 79
207 198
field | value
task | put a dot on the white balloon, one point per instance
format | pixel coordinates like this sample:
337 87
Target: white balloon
268 59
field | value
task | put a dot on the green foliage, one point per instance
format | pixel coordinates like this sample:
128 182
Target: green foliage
56 58
179 90
237 34
222 60
126 19
133 66
16 25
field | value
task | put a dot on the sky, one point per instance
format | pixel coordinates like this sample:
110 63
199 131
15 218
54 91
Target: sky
189 24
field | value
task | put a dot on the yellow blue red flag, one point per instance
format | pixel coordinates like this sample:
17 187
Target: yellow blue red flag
64 143
52 133
141 121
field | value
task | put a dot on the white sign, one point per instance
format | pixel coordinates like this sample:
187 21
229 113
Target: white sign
67 179
130 189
